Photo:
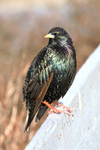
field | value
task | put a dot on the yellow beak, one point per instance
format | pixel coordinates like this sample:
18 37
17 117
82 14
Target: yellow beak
49 36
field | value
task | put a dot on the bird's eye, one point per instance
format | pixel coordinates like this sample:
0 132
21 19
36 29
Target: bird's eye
55 34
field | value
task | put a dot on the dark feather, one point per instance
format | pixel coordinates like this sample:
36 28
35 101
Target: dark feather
36 92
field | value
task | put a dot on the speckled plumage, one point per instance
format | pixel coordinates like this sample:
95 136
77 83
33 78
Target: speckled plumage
50 74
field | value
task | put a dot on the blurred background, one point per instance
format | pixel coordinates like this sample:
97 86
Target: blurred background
23 24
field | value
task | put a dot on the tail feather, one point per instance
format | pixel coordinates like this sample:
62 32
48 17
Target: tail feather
41 112
28 121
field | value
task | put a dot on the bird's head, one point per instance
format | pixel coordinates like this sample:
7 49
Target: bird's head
58 35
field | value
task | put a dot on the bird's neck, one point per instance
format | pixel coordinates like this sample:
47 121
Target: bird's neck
50 41
63 43
56 42
69 47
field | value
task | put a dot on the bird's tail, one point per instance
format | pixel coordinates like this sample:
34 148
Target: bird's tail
41 112
28 121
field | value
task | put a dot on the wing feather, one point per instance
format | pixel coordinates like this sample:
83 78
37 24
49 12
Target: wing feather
36 91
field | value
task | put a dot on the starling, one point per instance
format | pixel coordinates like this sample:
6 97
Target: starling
50 75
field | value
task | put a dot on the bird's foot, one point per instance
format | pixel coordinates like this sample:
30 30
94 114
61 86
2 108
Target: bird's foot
65 107
58 110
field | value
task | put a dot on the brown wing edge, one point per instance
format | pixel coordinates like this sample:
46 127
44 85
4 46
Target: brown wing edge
38 100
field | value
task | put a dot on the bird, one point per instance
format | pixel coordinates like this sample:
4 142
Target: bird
49 76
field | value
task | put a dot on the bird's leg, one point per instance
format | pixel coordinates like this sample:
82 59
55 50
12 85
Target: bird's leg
61 105
51 107
56 110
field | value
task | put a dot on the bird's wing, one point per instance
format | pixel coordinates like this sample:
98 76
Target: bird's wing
36 91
